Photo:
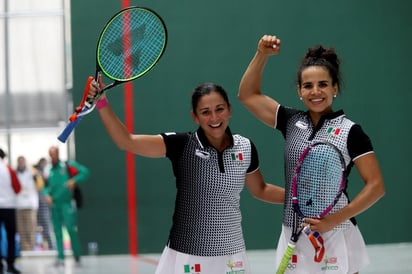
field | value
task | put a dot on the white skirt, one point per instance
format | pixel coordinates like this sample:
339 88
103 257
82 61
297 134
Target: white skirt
345 252
173 262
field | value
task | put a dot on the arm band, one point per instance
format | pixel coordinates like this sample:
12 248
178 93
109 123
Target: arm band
102 103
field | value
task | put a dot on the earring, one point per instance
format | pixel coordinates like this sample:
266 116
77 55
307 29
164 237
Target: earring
334 96
301 98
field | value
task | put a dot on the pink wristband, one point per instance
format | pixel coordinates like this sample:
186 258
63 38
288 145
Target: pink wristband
102 103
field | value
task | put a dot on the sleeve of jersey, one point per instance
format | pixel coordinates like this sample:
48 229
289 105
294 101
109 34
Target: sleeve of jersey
282 117
358 142
83 172
174 143
254 163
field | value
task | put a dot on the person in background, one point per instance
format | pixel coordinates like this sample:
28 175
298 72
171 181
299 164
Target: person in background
212 166
27 203
318 83
9 188
43 213
59 196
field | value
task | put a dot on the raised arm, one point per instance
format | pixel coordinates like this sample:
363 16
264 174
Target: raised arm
250 94
144 145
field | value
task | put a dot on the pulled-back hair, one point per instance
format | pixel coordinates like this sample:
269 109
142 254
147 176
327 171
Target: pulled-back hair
319 56
204 89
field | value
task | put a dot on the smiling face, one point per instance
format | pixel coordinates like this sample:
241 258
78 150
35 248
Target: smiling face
317 91
212 114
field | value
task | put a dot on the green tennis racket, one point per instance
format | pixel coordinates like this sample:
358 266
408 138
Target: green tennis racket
129 46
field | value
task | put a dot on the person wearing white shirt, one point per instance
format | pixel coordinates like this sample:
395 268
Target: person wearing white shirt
27 204
10 187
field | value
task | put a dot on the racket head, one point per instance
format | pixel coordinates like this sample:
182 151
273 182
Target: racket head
319 180
130 44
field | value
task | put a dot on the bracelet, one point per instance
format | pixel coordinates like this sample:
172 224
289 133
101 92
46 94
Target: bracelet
102 103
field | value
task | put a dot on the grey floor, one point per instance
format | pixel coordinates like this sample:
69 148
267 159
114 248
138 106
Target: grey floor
388 259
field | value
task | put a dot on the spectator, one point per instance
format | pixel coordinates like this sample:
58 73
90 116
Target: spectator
10 187
43 213
27 203
59 195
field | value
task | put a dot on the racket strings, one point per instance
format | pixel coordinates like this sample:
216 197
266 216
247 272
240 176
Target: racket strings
131 44
319 180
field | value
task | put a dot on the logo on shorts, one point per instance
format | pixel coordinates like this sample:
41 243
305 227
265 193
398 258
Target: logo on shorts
235 267
331 263
192 269
293 261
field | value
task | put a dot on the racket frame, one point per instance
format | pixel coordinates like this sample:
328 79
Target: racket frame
117 81
100 68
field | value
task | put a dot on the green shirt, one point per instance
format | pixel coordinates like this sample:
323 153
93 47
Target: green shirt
58 178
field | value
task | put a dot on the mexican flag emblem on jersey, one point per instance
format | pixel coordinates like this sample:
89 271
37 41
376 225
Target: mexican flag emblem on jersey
237 156
333 131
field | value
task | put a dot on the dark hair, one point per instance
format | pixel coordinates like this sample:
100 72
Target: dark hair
204 89
319 56
2 154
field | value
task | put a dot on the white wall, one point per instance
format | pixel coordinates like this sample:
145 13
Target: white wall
33 144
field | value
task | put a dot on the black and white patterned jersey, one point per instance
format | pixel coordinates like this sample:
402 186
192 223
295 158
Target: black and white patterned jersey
207 217
298 131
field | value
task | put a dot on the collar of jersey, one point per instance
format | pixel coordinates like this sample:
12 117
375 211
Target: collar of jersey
203 139
329 116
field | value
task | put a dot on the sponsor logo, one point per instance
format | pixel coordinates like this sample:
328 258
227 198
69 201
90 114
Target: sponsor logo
293 261
331 263
301 125
235 267
202 154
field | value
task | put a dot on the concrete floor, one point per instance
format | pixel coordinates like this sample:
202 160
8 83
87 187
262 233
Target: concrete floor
385 259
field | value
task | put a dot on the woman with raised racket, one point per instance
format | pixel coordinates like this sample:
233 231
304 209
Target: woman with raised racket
211 166
318 83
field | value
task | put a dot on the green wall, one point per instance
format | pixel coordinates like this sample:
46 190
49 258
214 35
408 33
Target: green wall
214 41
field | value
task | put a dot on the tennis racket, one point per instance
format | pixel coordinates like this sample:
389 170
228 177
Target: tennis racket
129 46
317 185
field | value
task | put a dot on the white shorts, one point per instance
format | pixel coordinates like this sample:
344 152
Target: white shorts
173 262
345 252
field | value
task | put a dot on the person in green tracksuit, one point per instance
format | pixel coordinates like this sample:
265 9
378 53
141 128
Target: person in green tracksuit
59 196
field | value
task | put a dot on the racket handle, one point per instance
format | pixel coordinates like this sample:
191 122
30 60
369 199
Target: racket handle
68 130
286 258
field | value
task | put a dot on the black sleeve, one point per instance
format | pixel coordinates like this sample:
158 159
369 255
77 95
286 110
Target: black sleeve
358 142
174 142
254 162
283 115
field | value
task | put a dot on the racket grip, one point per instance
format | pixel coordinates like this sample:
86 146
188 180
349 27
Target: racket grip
285 260
68 130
